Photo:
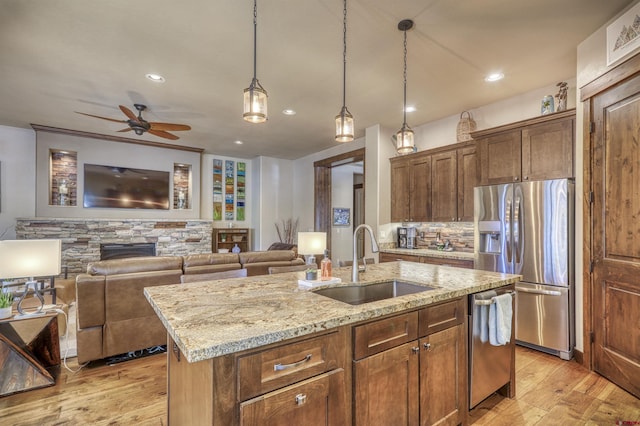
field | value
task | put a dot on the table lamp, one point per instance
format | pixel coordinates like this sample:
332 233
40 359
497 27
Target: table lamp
30 258
310 243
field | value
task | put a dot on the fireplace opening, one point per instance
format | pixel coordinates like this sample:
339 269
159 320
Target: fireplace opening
120 251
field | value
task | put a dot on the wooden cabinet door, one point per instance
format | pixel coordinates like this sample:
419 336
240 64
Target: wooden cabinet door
386 387
316 401
443 377
421 189
500 157
400 190
547 150
615 250
444 194
467 180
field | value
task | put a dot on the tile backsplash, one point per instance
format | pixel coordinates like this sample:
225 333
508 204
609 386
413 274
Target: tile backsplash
459 234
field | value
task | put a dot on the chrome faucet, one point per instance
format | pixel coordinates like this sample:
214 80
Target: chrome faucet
374 248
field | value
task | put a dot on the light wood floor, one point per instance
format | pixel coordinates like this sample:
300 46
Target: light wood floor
549 391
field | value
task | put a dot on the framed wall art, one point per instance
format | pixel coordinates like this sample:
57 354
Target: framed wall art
341 216
623 35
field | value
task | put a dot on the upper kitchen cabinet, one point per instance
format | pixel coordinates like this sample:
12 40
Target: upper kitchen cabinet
411 188
434 185
536 149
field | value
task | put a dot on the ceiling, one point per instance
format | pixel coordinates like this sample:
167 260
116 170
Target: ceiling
63 56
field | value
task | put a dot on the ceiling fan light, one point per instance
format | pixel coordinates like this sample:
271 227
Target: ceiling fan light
404 140
344 126
255 103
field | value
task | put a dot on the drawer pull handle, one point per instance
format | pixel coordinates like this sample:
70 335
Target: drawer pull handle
301 399
415 349
427 346
280 367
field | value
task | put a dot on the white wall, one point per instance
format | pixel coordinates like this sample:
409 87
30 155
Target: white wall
17 178
342 196
273 199
104 152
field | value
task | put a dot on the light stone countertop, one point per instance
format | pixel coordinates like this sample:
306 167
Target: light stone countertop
460 255
215 318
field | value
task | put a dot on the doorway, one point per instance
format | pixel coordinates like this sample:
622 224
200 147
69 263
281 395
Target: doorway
323 209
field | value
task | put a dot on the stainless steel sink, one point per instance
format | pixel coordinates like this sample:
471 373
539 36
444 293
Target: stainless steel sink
358 294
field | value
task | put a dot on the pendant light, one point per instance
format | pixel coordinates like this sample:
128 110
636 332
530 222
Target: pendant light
344 120
404 138
255 97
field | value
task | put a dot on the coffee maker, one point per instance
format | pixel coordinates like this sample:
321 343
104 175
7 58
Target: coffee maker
411 238
402 237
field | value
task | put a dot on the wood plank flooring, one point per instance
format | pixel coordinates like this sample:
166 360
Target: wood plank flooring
549 392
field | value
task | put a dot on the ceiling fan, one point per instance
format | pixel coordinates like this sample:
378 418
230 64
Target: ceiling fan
139 125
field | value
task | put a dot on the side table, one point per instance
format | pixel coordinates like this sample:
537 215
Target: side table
29 353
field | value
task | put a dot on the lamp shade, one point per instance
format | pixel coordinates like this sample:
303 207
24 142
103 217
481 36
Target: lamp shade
29 258
312 242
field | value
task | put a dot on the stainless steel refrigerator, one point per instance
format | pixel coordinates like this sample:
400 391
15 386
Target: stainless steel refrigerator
527 228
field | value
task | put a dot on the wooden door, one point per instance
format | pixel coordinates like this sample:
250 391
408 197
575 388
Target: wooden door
400 190
386 387
421 187
443 377
444 193
547 150
467 180
500 157
616 234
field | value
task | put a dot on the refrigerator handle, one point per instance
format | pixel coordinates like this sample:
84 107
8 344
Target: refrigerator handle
507 230
517 224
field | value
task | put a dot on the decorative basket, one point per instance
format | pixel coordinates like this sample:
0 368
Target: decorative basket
236 238
465 127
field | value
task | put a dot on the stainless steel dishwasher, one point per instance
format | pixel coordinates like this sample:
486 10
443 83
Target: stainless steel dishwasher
489 366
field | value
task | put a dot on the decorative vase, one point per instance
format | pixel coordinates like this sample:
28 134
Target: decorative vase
546 106
6 312
235 249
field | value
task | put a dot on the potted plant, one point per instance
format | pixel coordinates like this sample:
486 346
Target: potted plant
6 303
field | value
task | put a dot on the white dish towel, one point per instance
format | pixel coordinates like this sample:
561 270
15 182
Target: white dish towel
500 317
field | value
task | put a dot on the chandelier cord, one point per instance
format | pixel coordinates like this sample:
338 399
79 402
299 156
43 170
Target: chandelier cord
404 102
344 55
255 36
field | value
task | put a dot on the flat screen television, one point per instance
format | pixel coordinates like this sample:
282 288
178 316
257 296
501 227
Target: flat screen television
125 187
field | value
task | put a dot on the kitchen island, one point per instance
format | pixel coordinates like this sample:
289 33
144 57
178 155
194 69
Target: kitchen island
251 349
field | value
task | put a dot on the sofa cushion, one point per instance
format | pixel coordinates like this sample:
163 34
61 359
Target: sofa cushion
210 262
192 278
266 256
134 264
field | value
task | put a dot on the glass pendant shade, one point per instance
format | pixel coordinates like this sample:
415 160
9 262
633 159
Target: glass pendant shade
255 103
404 140
344 126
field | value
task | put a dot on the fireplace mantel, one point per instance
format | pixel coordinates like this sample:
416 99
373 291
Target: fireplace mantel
81 237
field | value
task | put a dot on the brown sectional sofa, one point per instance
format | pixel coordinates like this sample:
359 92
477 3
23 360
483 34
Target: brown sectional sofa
113 316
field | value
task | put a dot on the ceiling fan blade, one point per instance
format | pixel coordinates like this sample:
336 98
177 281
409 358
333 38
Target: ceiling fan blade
128 113
103 118
169 126
163 134
128 129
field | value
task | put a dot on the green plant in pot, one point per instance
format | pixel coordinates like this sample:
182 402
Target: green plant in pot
6 302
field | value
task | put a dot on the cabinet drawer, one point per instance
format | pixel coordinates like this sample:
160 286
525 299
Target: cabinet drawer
274 368
393 257
383 334
458 263
442 316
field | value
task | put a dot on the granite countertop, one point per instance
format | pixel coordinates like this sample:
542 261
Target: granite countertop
215 318
460 255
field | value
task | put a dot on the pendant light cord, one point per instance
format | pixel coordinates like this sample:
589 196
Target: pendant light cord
344 55
404 75
255 36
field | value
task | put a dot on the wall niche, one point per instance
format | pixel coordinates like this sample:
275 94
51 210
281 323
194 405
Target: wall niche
181 186
63 180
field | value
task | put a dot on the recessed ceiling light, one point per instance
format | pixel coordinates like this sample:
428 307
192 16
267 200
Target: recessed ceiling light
494 77
238 142
156 78
288 112
410 108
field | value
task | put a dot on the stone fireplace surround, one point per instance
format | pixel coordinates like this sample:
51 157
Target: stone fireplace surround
82 238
